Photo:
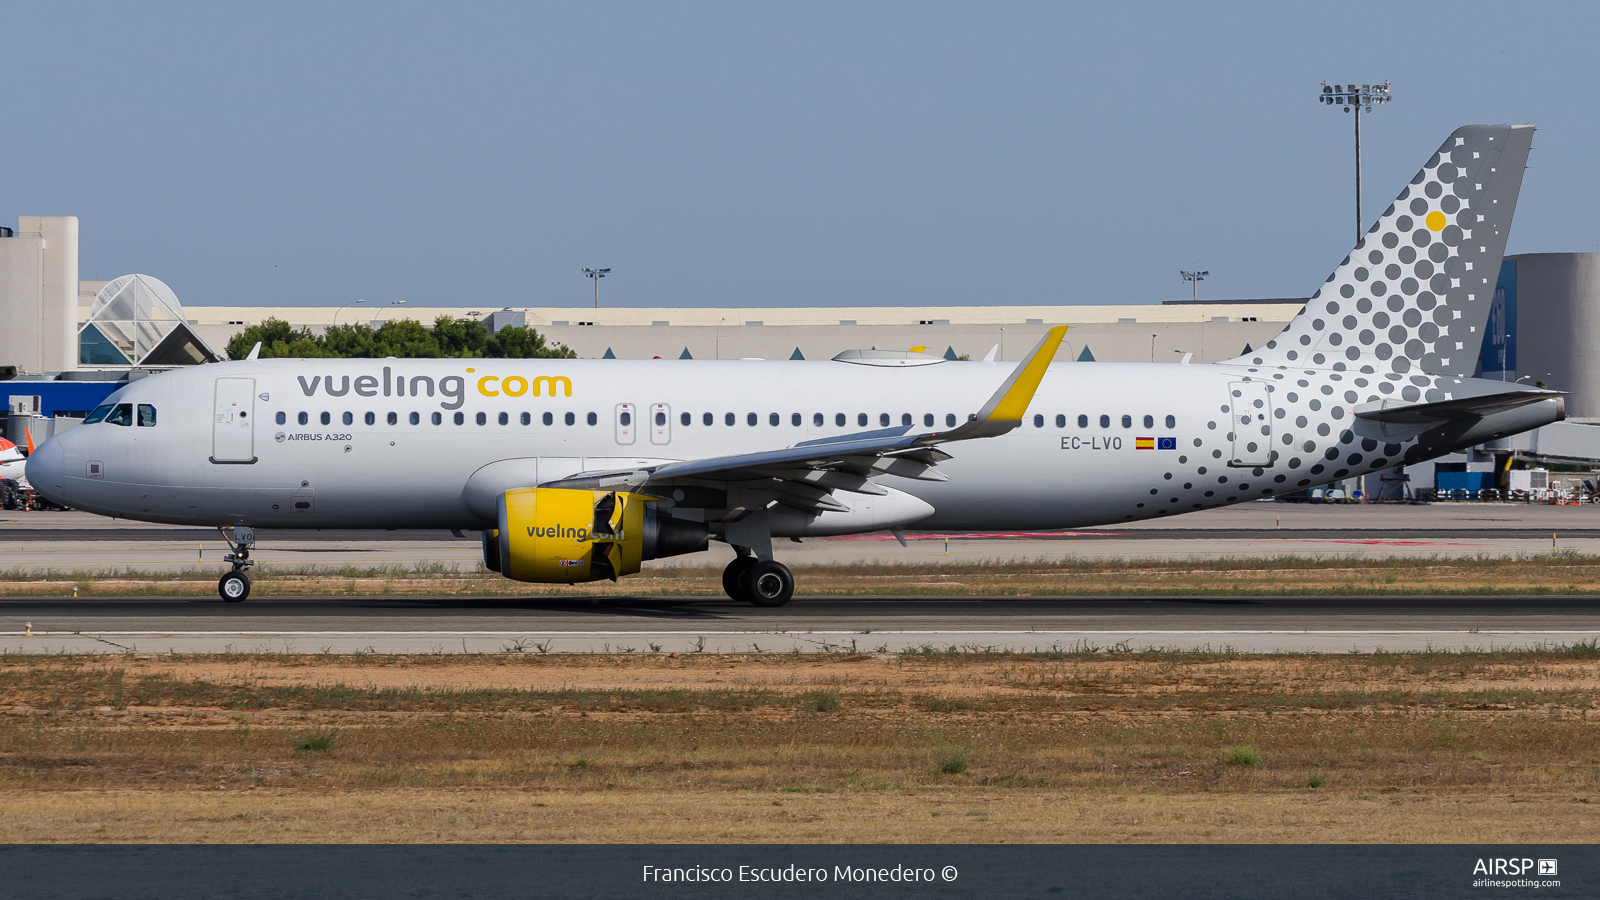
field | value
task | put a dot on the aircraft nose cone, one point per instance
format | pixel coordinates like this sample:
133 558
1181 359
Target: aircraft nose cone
46 470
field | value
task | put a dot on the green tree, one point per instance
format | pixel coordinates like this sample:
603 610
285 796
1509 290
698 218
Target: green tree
460 337
402 338
406 339
278 339
517 342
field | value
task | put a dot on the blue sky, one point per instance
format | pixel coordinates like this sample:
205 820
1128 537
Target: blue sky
917 154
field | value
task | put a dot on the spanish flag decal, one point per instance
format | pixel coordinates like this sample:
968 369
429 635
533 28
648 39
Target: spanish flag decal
1148 443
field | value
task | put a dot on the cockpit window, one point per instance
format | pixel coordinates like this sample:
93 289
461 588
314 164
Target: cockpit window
147 416
121 415
98 414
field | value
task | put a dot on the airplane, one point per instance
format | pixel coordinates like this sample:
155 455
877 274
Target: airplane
580 470
13 464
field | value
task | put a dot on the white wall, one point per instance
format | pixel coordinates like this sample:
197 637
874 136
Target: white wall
39 295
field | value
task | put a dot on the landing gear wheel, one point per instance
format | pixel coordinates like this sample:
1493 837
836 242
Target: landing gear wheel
234 587
733 577
768 583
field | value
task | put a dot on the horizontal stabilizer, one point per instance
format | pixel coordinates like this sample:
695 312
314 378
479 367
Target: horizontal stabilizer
1399 412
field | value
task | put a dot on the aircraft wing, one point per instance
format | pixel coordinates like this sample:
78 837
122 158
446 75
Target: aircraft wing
807 473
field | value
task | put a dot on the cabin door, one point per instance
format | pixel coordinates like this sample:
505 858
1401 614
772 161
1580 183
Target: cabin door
233 426
1250 406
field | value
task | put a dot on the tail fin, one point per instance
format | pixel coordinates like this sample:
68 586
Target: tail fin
27 432
1416 292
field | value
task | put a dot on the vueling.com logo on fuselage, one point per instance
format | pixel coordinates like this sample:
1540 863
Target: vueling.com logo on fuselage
453 388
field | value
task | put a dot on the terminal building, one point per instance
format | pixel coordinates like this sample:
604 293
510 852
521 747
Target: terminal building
68 343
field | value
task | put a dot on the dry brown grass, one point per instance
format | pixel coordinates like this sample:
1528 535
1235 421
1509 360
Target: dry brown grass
1556 572
1058 747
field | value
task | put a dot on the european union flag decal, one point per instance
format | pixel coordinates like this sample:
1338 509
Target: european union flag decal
1170 443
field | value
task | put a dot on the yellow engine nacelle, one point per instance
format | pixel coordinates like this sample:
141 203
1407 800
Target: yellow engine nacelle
559 536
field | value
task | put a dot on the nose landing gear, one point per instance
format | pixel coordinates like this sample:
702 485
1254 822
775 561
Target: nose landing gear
235 586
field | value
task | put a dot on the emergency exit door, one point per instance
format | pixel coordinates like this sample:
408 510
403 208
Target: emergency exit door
1250 406
233 426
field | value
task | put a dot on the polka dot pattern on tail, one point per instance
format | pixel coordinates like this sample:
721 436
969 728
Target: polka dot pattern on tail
1416 290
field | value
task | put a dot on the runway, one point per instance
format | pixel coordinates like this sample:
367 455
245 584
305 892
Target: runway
74 541
885 625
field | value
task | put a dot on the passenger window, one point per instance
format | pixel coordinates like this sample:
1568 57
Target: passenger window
1038 421
795 420
438 418
349 419
661 418
1149 421
527 419
883 420
416 419
707 419
370 418
817 420
593 419
547 419
302 418
728 419
121 415
1061 421
482 418
1127 421
750 418
460 418
1083 421
861 420
950 420
905 418
280 419
625 418
99 415
504 419
570 419
838 420
393 419
1172 422
685 419
326 418
147 415
1105 421
927 420
773 419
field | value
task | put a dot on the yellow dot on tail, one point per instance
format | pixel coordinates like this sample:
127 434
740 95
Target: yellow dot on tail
1436 220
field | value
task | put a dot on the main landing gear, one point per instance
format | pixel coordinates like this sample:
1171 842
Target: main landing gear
764 582
235 586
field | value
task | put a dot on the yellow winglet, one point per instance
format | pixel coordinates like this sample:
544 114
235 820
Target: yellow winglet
1010 403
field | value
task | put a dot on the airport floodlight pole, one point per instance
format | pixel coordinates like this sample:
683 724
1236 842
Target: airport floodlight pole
1353 97
392 303
596 274
342 309
1195 278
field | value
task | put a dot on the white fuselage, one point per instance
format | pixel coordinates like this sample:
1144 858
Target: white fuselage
218 454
